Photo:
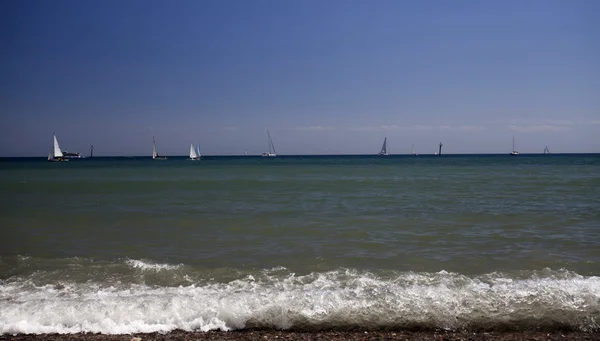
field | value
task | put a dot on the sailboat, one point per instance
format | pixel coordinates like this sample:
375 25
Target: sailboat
271 152
514 151
194 153
56 154
155 155
414 152
546 151
384 148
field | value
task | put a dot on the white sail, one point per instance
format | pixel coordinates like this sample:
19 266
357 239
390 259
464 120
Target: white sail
384 148
57 151
193 154
272 152
546 150
154 153
198 151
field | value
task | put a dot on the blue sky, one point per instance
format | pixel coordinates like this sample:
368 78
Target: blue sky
329 76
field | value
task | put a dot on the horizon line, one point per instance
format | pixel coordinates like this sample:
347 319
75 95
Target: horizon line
295 155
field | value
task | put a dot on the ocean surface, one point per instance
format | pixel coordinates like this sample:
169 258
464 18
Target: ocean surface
476 242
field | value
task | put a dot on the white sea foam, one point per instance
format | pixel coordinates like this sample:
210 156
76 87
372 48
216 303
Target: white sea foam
148 265
336 299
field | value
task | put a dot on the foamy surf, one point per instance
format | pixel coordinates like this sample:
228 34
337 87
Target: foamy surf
149 265
279 299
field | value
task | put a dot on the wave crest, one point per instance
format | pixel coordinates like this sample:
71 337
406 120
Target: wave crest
341 299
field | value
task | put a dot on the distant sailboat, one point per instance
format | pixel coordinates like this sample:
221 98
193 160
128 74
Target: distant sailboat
414 152
245 153
56 154
155 155
194 153
384 148
271 152
514 151
546 151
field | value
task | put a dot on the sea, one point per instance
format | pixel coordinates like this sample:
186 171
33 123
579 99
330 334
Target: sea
451 242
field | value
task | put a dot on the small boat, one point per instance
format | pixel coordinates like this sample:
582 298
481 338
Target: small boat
271 152
56 154
195 153
546 150
414 152
514 151
155 155
383 150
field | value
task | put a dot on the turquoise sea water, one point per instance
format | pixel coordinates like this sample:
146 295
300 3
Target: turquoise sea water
458 241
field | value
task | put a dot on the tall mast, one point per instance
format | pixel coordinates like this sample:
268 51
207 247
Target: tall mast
271 145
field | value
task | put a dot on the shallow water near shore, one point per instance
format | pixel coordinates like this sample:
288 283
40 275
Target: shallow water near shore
129 245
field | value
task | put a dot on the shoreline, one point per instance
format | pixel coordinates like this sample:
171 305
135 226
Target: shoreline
250 334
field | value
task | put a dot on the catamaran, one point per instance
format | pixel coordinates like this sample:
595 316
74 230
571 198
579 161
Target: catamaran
56 154
384 148
195 153
155 155
514 151
271 152
546 150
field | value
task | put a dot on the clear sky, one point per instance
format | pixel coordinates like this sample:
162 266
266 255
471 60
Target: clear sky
324 76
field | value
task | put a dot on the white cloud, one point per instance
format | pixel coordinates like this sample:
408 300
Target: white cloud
390 127
365 128
538 128
471 128
315 128
424 127
531 122
559 122
420 128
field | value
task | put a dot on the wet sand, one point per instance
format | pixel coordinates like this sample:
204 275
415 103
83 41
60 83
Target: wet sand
324 335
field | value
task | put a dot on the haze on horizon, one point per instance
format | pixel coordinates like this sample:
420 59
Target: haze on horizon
324 77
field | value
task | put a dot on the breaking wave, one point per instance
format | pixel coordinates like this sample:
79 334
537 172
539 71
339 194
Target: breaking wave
148 265
278 298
